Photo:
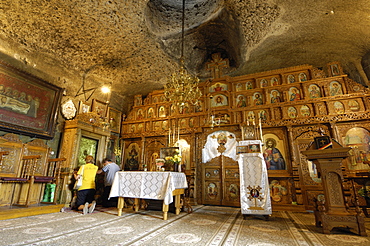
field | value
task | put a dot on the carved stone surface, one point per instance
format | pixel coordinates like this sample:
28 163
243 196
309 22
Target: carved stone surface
134 47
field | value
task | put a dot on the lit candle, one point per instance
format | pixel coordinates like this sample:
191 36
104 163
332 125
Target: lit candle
178 133
173 135
261 128
169 137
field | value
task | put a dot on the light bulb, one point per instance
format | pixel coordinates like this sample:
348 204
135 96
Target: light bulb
105 89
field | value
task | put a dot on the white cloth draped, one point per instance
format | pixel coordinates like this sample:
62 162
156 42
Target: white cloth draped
253 173
148 185
210 149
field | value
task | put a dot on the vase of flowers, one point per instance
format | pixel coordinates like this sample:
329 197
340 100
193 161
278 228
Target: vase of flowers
173 162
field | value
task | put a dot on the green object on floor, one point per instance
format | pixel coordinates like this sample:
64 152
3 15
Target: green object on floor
49 193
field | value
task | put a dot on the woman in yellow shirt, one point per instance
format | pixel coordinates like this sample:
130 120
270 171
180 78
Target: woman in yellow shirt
85 194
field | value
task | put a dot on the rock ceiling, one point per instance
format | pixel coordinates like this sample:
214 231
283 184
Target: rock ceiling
134 45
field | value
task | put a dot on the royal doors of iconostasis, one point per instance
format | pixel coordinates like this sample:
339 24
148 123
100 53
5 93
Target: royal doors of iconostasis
220 170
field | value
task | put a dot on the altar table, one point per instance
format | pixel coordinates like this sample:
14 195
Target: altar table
149 185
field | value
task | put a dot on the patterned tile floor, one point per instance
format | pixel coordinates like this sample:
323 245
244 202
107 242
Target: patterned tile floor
207 225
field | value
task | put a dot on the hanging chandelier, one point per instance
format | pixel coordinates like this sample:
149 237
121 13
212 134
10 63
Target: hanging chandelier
181 87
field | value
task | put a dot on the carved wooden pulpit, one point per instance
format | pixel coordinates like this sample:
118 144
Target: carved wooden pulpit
333 211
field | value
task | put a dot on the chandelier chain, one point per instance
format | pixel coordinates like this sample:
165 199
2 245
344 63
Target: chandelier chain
181 87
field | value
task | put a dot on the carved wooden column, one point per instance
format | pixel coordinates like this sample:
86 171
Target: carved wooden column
333 211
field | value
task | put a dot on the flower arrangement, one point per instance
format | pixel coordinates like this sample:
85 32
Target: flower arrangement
172 162
173 159
364 192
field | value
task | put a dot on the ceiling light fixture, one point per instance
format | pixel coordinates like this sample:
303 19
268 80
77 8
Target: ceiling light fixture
105 89
182 88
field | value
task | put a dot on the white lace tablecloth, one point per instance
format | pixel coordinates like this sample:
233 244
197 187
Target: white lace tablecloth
148 185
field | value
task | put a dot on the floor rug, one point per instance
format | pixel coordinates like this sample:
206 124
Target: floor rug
207 225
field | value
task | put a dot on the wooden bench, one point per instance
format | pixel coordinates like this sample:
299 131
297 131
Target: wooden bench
26 176
52 176
23 177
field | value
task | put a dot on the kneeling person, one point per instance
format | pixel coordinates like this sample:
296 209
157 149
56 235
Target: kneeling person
109 168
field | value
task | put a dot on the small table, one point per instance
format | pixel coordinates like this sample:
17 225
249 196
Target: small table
149 185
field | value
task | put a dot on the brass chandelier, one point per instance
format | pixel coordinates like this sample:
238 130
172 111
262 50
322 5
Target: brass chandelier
182 88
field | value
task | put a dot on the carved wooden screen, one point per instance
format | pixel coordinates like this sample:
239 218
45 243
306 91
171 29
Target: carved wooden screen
310 182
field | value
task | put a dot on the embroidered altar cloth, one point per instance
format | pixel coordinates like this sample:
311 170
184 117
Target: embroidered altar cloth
254 186
148 185
214 140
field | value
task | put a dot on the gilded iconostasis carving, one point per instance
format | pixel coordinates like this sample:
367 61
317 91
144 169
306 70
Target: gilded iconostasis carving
293 105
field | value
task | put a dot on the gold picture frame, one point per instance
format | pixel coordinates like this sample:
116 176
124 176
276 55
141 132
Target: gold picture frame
84 107
38 100
335 69
99 107
114 117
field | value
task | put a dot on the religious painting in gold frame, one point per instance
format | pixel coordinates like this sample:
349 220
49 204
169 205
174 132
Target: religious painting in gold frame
29 104
84 107
357 137
99 107
274 81
243 149
334 69
219 100
275 151
217 87
132 157
250 148
249 85
169 152
114 119
88 146
138 100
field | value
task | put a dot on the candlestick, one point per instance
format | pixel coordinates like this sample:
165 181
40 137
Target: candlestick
169 136
173 135
261 128
178 133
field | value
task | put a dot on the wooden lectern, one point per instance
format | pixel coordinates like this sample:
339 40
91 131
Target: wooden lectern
333 211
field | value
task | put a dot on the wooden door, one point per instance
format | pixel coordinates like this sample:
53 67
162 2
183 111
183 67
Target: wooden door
221 185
